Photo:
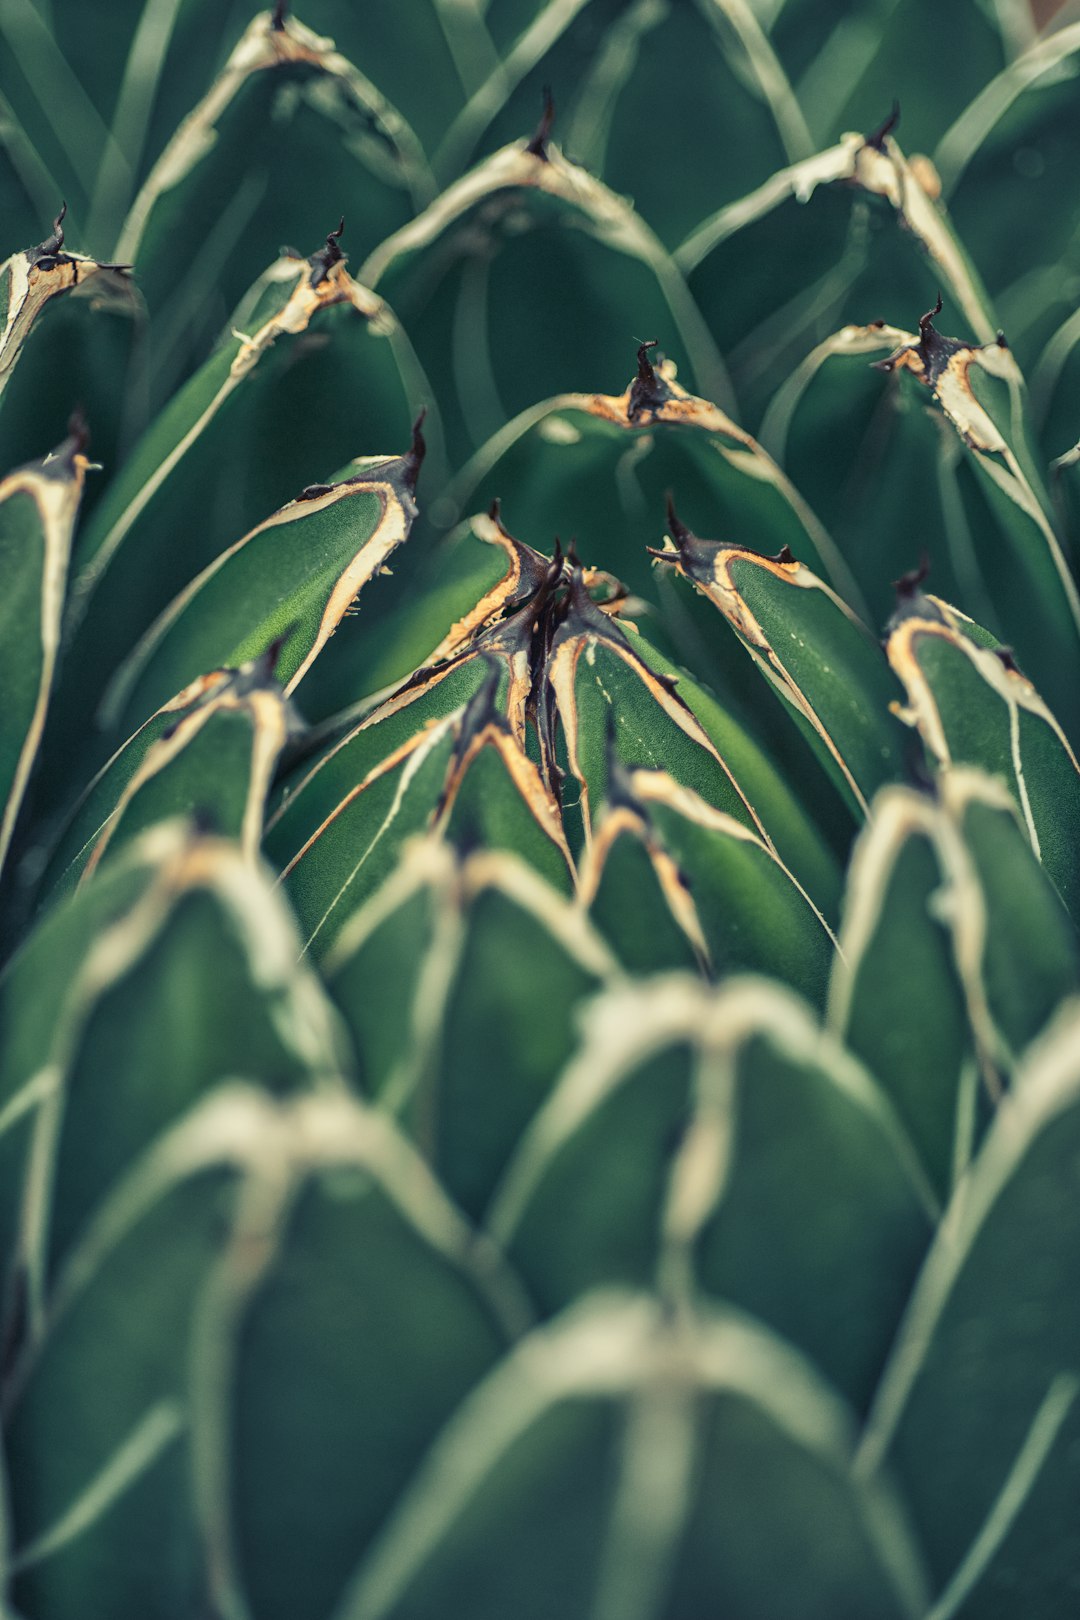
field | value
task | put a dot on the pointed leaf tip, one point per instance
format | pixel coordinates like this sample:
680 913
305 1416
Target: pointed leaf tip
926 322
324 260
679 532
648 389
908 585
537 146
53 243
877 138
78 431
417 450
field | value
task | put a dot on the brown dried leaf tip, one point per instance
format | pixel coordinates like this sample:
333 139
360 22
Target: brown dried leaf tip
928 358
649 389
47 253
325 259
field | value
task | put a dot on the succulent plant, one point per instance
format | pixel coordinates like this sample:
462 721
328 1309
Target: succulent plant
540 1016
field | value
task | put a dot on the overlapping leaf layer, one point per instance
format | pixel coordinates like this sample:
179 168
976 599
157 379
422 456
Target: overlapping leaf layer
540 1026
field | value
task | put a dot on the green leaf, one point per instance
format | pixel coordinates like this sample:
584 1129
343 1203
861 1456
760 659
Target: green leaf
209 752
291 581
105 1519
462 768
101 996
287 117
31 279
972 705
327 1365
606 63
1016 143
178 499
719 1141
911 930
597 466
464 582
354 751
805 829
69 367
992 1328
637 896
956 953
813 650
663 862
852 233
462 273
630 1466
461 984
38 507
1027 575
869 454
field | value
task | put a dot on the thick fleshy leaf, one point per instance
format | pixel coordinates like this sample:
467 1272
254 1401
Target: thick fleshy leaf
595 672
629 1464
597 465
31 279
992 1328
858 445
1016 143
956 952
719 1141
462 986
854 233
288 117
605 61
897 997
290 581
465 772
38 507
1031 955
813 650
519 240
103 1485
808 828
370 1314
209 753
181 496
1024 566
175 923
457 587
637 896
70 367
311 792
972 705
665 866
849 61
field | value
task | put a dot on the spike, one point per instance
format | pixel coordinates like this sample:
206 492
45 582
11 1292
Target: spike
538 144
877 138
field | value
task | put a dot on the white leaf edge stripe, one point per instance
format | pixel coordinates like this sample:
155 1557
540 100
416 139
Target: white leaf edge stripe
618 1347
1046 1088
610 217
261 48
56 495
623 1028
392 528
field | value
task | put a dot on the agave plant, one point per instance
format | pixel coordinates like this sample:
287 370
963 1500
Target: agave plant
540 1026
